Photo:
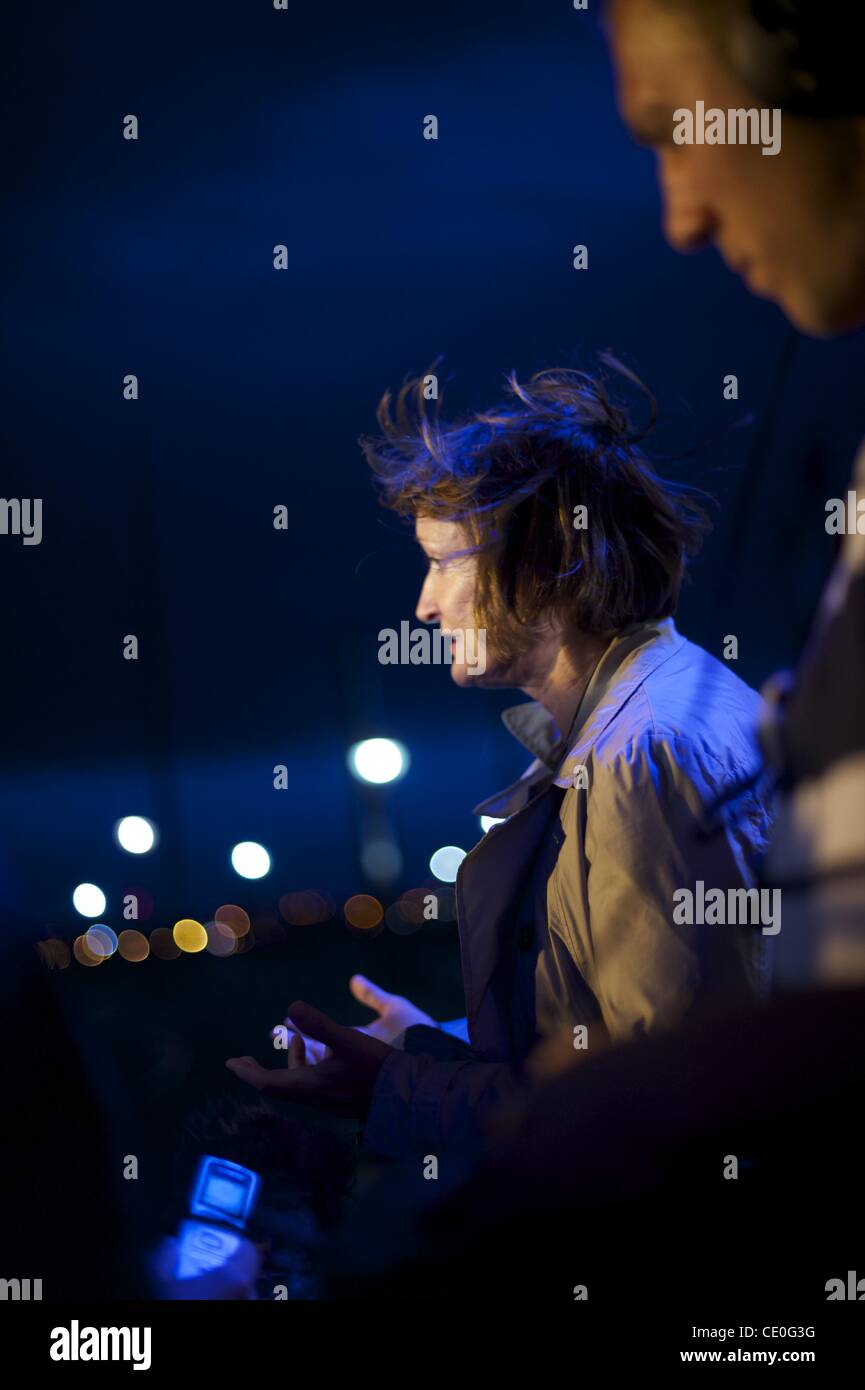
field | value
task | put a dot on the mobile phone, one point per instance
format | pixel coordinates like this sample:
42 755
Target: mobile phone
222 1198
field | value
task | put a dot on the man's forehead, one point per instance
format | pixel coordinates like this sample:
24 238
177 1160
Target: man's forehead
660 60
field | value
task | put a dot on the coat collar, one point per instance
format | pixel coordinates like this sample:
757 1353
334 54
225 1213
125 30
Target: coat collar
631 656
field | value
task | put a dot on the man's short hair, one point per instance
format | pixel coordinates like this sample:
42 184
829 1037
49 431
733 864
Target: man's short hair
801 55
515 476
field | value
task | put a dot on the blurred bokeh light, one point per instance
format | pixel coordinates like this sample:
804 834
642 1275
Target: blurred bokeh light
378 760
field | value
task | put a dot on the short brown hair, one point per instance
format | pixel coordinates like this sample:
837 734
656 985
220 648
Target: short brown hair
514 476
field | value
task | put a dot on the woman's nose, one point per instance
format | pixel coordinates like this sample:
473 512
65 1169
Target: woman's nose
427 610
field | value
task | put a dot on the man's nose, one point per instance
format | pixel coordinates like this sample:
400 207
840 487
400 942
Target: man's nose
689 223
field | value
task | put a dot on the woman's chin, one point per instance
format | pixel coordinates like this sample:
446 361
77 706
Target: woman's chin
463 675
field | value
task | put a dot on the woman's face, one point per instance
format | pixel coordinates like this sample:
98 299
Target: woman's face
447 598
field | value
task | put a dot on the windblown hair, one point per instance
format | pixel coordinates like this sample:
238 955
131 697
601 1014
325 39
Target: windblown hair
514 476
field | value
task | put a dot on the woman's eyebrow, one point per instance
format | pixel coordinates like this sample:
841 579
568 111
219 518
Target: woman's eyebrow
435 554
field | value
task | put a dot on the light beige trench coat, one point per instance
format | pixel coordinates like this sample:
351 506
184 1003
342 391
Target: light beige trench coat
566 909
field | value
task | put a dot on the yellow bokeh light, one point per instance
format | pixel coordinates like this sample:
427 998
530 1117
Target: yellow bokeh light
190 935
133 945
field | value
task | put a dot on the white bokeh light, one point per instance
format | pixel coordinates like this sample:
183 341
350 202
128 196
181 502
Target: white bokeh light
446 861
135 834
487 822
250 860
89 900
378 760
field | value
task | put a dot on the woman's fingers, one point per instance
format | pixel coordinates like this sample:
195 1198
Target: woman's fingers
313 1051
367 993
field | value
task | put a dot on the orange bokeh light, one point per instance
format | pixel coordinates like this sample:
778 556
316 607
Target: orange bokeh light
363 912
230 915
133 945
83 954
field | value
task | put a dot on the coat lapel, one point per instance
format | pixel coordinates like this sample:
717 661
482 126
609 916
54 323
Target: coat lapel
490 886
493 878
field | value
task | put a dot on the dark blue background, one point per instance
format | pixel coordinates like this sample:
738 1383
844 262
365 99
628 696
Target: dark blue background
259 647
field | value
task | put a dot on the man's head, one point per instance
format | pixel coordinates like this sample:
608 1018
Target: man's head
542 524
791 224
